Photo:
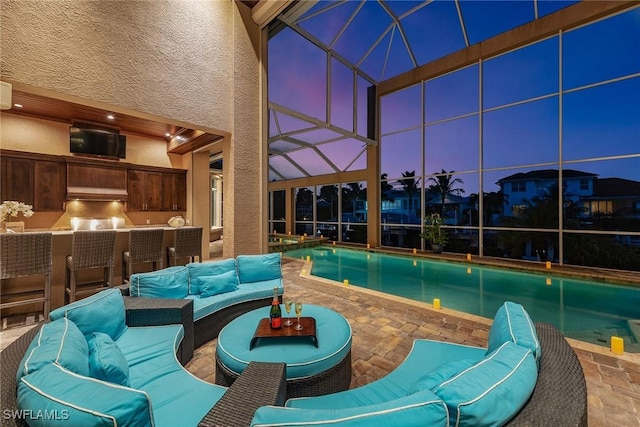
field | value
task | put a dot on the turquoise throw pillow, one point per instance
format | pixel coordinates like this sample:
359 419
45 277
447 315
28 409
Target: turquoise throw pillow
171 282
209 268
101 312
493 390
512 323
259 268
219 284
58 342
106 361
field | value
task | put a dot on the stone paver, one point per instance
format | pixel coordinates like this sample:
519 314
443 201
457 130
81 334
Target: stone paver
384 329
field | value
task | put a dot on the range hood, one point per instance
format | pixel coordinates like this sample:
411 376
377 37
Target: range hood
96 181
96 193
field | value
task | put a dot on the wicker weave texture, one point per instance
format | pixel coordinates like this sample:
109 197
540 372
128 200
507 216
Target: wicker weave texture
10 359
560 395
25 254
188 244
163 311
259 385
334 379
92 249
145 245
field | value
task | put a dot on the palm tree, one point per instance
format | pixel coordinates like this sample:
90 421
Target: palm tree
410 185
443 184
385 188
492 203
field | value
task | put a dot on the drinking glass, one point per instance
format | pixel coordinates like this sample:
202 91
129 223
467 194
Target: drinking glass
298 308
287 307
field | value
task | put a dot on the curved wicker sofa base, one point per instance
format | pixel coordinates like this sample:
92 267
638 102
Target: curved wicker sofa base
335 379
560 395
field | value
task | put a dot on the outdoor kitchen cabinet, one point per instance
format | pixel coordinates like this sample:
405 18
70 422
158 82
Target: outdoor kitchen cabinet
145 190
36 180
174 191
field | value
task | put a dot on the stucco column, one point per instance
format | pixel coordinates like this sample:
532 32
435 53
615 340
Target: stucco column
245 216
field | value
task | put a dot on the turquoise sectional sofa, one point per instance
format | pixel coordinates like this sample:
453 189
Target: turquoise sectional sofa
220 290
446 384
87 367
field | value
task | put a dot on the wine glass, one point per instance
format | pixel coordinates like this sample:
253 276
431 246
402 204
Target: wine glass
287 307
298 308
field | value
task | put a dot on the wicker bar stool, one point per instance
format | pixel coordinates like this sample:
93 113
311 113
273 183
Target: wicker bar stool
187 244
27 254
89 250
145 246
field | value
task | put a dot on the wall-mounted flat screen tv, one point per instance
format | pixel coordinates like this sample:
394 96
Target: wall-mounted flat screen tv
97 142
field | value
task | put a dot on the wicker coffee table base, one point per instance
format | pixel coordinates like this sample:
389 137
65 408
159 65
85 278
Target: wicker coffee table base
336 378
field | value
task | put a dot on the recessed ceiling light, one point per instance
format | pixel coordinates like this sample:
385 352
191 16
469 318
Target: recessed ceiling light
110 117
18 105
167 134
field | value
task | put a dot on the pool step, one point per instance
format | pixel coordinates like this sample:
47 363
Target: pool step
634 327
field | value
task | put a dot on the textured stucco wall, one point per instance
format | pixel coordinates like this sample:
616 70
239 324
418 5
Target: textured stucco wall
165 57
188 60
244 180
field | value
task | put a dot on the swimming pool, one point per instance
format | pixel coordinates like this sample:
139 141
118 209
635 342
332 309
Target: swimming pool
585 310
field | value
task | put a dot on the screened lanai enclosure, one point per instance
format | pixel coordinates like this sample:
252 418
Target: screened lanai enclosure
518 122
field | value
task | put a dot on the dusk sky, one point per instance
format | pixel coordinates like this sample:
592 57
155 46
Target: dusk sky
583 90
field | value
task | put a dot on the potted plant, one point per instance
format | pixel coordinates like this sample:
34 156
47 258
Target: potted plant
433 233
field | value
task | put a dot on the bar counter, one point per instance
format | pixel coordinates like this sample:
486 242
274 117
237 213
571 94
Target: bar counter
62 240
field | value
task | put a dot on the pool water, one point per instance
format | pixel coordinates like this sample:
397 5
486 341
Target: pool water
585 310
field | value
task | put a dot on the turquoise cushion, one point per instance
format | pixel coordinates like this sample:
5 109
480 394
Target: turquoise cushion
63 398
493 390
106 361
425 356
256 268
101 312
58 342
220 284
203 307
302 357
209 268
512 323
171 282
419 409
179 398
440 374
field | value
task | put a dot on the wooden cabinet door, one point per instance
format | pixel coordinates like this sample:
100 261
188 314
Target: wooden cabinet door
180 191
153 188
136 190
17 180
50 186
174 191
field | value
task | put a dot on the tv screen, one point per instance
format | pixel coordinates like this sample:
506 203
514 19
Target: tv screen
97 142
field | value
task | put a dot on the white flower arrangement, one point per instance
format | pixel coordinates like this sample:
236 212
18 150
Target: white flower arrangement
11 208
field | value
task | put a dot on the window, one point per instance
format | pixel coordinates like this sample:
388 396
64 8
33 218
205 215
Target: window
519 186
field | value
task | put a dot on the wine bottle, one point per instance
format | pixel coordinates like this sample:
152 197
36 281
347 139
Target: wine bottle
275 315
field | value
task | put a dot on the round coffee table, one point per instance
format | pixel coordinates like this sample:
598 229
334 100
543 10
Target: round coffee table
314 367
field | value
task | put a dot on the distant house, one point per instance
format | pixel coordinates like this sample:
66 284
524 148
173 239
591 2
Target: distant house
596 195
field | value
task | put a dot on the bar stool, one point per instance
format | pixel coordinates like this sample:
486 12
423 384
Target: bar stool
187 244
89 250
26 254
145 246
